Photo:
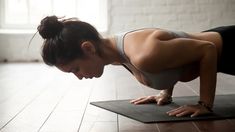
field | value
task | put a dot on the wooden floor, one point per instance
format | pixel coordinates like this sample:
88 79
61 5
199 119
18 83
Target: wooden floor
35 97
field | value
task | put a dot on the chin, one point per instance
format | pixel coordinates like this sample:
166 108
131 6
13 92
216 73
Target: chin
99 74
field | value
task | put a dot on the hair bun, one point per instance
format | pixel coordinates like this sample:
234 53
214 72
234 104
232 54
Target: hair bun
50 27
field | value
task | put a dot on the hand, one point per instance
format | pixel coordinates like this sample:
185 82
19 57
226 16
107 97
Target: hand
192 110
160 99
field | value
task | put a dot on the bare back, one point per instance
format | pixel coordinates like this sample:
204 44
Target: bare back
137 38
135 43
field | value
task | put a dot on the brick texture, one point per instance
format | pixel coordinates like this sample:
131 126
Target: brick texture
185 15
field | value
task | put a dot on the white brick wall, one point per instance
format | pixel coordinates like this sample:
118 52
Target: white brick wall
186 15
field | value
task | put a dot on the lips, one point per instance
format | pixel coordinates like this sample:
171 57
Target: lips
88 77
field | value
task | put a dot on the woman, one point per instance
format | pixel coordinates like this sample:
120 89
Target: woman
157 58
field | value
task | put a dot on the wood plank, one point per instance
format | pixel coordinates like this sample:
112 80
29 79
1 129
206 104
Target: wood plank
40 109
61 103
99 126
20 74
67 116
181 89
96 119
215 126
129 88
13 105
129 125
177 127
9 89
224 86
232 121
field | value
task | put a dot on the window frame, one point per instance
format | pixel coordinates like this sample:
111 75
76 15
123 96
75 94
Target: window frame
28 26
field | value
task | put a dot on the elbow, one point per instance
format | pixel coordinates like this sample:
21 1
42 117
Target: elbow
210 53
211 48
210 44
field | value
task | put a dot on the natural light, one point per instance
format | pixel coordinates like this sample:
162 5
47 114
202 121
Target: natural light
19 14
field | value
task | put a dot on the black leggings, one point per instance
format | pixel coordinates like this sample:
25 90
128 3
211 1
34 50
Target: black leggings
227 61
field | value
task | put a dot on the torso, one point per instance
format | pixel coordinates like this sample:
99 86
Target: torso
191 72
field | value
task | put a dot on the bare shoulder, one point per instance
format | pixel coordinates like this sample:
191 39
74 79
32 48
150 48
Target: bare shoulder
156 52
145 44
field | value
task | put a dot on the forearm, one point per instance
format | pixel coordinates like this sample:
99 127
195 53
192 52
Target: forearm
208 70
207 90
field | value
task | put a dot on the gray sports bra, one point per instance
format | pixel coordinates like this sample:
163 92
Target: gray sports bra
164 79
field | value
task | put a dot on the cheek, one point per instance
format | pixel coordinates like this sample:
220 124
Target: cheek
90 68
98 71
93 67
97 68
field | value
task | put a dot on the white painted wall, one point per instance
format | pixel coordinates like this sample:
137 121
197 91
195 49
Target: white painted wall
185 15
14 46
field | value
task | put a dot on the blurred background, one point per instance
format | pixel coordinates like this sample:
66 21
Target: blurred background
38 98
20 18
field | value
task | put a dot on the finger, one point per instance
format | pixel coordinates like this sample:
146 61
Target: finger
181 107
144 100
184 113
195 114
174 113
134 100
162 101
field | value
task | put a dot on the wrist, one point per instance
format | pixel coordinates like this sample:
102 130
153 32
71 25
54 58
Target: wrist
165 94
207 106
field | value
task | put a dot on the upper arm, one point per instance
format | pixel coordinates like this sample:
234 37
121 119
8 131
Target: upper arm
160 55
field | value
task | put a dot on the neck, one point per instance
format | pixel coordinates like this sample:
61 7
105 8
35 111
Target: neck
110 53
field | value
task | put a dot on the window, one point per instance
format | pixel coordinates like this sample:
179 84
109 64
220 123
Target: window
26 14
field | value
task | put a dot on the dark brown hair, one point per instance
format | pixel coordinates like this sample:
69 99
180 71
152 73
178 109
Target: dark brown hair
63 38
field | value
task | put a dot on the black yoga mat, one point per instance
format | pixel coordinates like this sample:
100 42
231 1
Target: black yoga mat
224 107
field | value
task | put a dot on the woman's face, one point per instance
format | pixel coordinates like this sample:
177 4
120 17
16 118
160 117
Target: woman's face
88 67
84 68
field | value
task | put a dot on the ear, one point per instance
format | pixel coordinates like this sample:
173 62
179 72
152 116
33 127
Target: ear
88 48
